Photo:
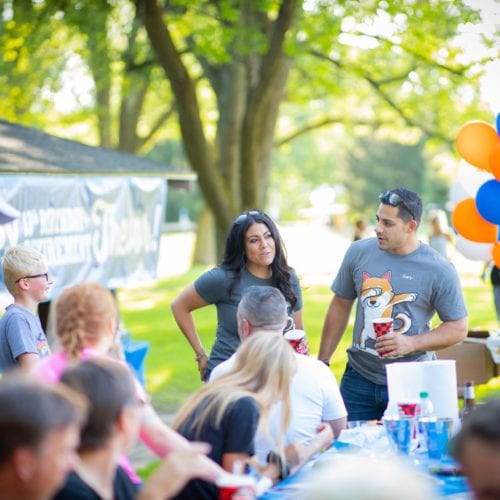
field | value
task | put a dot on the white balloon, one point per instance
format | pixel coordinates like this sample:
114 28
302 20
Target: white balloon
458 193
471 178
472 250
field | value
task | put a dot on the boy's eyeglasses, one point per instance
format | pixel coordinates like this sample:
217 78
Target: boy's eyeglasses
45 275
393 199
243 217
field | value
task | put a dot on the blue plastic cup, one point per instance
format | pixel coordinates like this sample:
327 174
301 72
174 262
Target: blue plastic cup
438 432
400 429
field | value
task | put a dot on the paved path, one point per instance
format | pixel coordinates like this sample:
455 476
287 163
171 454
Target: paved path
314 250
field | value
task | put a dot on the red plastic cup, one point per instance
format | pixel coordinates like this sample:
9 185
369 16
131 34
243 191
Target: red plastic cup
381 326
298 341
236 487
408 408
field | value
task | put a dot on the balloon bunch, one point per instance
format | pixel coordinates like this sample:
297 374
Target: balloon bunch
477 219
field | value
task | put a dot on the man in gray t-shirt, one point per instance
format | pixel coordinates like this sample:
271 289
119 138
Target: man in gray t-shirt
393 275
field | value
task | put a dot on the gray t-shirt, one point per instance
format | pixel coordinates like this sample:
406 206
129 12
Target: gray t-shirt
213 287
409 288
20 332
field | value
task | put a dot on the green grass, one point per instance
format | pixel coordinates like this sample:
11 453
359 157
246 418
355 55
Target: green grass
171 372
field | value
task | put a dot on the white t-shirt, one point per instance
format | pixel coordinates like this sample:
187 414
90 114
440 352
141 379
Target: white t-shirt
315 398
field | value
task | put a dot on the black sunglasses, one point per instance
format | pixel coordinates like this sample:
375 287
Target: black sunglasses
243 217
393 199
45 275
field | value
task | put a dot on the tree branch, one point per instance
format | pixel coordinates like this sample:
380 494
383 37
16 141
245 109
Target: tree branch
377 87
405 116
457 70
157 125
323 122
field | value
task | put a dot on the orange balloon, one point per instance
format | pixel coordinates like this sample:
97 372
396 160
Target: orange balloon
474 142
494 160
469 223
496 254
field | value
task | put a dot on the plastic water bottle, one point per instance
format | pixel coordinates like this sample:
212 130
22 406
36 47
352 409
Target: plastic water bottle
426 409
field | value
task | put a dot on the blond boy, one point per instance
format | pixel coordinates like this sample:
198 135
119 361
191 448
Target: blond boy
22 339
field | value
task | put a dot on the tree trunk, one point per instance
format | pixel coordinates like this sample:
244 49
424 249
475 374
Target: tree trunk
94 26
132 99
233 171
204 248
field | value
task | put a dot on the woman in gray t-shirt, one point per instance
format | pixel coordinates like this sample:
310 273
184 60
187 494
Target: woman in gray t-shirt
254 255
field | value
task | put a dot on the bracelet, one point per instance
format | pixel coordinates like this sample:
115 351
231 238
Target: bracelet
202 354
327 363
275 458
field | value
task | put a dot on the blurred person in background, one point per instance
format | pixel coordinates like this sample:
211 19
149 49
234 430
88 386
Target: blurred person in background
440 236
360 229
492 272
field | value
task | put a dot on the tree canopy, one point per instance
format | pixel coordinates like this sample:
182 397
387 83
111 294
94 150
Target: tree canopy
222 70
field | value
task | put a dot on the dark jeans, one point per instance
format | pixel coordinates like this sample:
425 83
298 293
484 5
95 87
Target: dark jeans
206 377
363 399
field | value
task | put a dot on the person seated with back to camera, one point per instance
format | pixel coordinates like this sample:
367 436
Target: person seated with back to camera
318 411
111 428
227 412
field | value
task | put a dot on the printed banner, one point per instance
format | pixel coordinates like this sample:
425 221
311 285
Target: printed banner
103 229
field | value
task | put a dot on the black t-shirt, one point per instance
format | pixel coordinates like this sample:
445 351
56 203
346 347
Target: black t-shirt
76 489
495 276
235 435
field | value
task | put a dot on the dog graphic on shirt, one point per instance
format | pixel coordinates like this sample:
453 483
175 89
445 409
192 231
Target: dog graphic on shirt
378 299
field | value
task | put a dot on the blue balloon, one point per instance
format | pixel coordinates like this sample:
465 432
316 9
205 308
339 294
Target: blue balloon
488 201
498 124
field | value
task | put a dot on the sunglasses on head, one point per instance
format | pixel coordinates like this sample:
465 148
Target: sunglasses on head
393 199
243 217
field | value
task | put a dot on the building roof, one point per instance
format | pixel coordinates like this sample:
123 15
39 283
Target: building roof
29 150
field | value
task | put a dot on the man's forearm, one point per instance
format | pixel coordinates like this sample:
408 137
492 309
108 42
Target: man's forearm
336 320
297 454
446 334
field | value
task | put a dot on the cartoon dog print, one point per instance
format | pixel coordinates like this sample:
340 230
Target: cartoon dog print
378 299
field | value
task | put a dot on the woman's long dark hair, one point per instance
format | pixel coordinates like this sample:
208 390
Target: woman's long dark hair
234 254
